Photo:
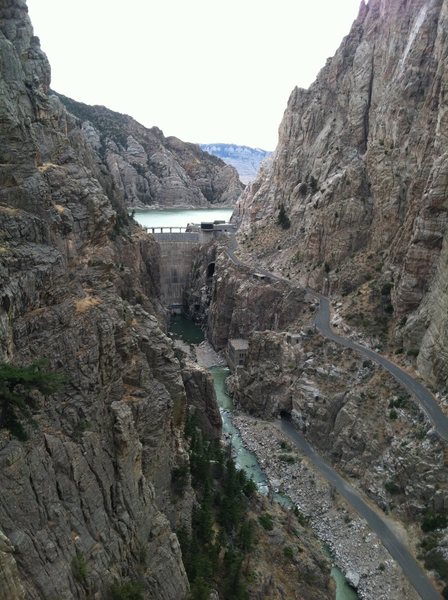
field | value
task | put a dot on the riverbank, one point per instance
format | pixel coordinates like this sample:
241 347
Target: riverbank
357 551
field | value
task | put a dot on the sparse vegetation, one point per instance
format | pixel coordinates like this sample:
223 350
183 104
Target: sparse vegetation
266 522
313 184
222 535
301 518
434 520
303 189
85 304
413 352
80 568
18 386
391 487
287 458
127 590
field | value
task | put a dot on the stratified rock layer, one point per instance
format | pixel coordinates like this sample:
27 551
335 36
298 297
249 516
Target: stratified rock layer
90 498
152 170
362 172
84 502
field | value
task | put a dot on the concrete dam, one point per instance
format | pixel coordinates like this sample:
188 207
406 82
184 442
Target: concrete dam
178 250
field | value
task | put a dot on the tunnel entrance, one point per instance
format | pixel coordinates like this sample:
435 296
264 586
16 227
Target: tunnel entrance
285 414
210 270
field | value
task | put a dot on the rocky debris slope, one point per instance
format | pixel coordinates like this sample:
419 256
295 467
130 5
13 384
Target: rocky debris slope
356 550
246 160
362 421
87 499
361 171
353 413
152 170
288 560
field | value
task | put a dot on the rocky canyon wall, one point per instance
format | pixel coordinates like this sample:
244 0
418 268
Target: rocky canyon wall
231 302
361 170
87 499
152 170
94 492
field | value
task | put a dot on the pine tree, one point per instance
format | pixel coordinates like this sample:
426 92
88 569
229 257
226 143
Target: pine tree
283 219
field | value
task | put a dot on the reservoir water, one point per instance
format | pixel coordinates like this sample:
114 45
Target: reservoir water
192 334
171 217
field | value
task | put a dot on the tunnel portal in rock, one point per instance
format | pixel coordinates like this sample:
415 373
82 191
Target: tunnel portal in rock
210 270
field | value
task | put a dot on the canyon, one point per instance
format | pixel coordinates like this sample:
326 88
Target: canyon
103 489
97 488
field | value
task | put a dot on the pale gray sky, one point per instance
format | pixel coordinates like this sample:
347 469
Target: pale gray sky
202 70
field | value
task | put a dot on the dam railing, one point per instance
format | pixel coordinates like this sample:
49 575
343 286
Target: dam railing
166 229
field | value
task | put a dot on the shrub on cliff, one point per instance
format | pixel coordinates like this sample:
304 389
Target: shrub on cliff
127 590
17 385
283 219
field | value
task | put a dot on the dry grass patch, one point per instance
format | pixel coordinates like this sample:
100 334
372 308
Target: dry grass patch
10 211
85 304
46 166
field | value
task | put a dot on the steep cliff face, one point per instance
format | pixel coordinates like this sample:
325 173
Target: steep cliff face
152 170
233 302
353 412
362 172
94 495
86 500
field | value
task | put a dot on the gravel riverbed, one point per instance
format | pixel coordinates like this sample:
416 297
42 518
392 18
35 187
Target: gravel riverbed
356 550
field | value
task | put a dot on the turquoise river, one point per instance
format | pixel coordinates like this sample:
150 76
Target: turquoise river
190 333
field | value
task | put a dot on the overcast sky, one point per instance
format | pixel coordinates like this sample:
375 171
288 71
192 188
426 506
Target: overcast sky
202 70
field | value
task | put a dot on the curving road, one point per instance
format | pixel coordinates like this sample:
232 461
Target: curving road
410 567
420 393
322 321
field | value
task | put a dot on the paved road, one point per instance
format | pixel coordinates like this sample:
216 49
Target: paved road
420 393
322 321
411 569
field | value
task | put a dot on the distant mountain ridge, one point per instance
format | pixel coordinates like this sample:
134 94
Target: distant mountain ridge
152 170
245 159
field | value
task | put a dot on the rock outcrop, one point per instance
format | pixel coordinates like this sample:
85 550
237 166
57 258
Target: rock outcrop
152 170
361 171
86 500
353 412
234 302
9 575
90 498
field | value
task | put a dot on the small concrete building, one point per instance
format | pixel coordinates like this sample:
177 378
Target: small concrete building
211 231
293 338
237 353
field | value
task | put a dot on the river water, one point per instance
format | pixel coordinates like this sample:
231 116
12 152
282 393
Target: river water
172 217
190 333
